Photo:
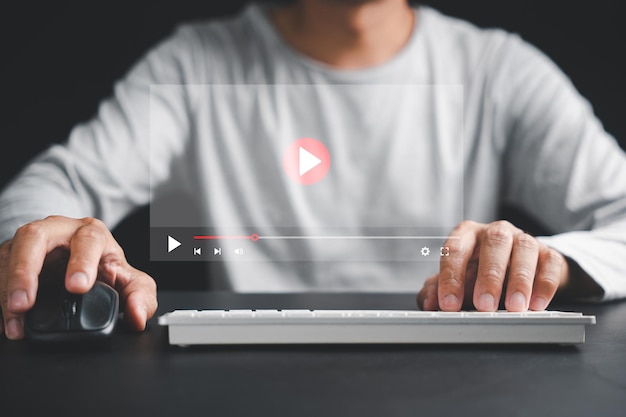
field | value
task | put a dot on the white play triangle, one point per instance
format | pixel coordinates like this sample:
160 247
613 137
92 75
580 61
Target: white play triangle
307 161
172 243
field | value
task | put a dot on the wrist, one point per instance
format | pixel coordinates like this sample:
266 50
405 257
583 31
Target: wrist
575 283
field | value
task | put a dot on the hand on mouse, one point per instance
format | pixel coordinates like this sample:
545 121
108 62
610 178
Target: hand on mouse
93 254
487 260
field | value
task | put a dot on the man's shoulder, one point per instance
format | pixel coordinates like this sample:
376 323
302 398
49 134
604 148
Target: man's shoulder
221 30
212 49
452 28
477 52
453 32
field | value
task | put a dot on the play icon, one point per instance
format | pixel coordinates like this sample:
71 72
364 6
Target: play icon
172 244
306 161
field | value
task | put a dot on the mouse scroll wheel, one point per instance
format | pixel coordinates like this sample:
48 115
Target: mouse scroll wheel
70 307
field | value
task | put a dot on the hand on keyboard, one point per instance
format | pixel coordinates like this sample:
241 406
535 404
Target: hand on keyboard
486 258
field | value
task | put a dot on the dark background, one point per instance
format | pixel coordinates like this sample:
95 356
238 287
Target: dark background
59 59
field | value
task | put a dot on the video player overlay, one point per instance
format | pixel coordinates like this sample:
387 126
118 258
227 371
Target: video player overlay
321 172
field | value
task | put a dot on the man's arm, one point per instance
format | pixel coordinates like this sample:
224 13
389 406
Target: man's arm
103 170
72 194
563 168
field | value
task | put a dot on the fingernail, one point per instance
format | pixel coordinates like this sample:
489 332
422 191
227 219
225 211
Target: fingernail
538 303
14 329
486 302
450 302
517 302
79 279
18 300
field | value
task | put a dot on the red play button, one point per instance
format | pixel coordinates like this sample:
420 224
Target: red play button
306 161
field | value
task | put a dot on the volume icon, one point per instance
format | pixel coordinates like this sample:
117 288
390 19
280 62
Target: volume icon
239 251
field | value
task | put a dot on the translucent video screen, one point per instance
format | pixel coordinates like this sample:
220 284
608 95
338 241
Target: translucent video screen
305 172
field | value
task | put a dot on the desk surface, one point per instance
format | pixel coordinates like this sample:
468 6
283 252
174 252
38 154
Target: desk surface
143 375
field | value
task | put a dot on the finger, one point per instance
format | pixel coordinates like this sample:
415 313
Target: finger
138 290
451 283
550 269
496 243
13 329
524 258
427 297
28 250
14 325
90 243
431 302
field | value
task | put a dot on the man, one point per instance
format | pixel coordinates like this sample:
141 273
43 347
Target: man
529 139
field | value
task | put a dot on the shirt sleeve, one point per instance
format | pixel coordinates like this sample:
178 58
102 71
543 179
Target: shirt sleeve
563 167
108 164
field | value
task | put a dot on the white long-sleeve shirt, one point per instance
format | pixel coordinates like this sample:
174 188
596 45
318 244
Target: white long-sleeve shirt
461 120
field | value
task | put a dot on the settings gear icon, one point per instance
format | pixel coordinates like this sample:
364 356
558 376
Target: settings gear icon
425 251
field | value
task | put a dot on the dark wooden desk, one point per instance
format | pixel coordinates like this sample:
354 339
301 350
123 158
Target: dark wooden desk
141 375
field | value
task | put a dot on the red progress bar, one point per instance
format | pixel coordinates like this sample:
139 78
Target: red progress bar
253 237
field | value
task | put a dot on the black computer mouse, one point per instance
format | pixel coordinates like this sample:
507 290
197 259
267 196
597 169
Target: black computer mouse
60 316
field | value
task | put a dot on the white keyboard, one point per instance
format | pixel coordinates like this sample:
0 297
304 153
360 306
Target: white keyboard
219 327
